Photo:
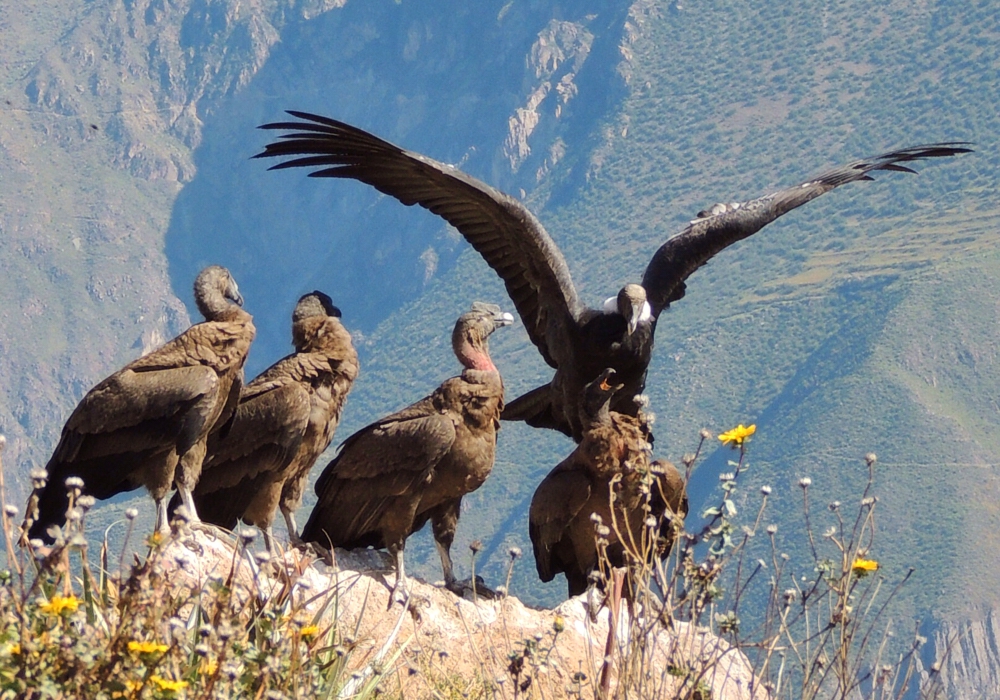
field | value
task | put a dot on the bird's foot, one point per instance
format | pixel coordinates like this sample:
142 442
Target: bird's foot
400 594
476 589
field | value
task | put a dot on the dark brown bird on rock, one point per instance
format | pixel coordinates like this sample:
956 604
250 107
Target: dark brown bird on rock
577 341
286 418
393 476
148 424
572 507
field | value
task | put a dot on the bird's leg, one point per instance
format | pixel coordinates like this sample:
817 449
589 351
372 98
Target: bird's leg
162 518
444 523
188 500
293 529
444 551
399 590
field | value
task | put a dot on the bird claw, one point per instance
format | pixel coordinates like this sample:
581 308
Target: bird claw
400 594
480 590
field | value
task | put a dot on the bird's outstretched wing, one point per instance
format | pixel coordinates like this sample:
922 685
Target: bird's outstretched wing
501 229
726 224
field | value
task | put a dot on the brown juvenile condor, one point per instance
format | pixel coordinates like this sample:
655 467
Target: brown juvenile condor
394 475
561 523
148 423
285 419
577 341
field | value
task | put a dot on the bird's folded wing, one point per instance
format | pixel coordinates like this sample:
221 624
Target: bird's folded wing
557 500
265 436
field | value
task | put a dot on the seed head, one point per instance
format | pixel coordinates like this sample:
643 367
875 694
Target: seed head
805 482
514 553
247 536
74 483
476 546
765 490
10 510
39 477
705 434
834 506
772 528
85 503
596 518
262 558
870 458
131 513
688 459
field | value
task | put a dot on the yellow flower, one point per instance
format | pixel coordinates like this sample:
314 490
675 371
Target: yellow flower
14 649
863 567
309 631
737 435
209 667
167 685
147 647
130 688
58 603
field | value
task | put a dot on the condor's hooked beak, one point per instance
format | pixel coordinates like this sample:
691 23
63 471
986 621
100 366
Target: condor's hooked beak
503 319
633 321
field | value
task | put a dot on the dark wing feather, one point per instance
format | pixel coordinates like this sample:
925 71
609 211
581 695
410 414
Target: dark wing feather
556 502
500 228
265 436
684 253
375 466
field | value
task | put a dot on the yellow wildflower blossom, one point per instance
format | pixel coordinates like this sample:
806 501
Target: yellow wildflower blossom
209 667
58 603
310 631
863 567
130 688
14 649
737 435
167 685
147 647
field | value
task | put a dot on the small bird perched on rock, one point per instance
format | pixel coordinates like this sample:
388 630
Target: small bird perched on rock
148 423
415 465
286 418
605 487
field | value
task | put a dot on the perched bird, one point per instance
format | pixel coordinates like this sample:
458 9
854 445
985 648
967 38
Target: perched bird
285 419
577 341
572 509
415 465
148 423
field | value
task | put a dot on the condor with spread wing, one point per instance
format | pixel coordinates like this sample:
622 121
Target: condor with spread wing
577 341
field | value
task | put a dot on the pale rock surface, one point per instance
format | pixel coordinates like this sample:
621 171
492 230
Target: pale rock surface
443 639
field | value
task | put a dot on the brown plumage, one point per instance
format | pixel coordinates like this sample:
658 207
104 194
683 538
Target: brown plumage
562 522
148 423
393 476
577 341
286 418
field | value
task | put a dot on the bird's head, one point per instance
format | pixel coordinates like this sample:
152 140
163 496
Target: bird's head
631 304
215 290
469 339
310 320
315 303
597 395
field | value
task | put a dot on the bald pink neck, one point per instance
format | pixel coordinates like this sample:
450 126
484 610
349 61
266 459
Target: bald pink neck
475 358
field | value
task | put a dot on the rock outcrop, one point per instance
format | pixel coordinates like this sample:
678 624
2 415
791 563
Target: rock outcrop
504 643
